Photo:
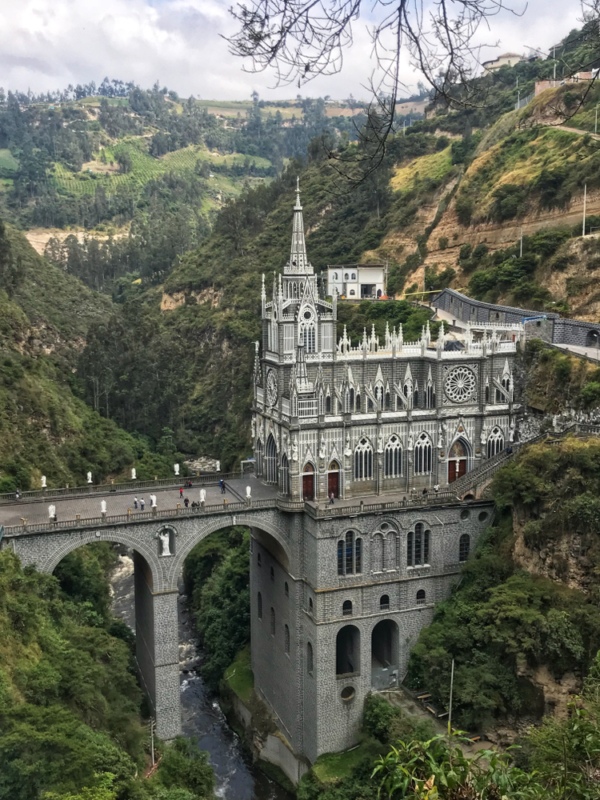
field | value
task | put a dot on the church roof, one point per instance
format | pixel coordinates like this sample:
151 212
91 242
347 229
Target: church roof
298 262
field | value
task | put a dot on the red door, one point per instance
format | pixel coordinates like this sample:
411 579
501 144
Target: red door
462 467
333 484
451 471
308 486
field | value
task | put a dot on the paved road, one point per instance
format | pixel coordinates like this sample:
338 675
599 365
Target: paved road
89 507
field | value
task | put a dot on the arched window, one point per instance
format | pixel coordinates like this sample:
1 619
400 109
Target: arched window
328 405
307 333
369 404
272 621
495 442
350 401
430 397
349 555
258 455
487 394
286 640
259 559
354 276
363 461
417 546
358 556
347 608
384 602
464 545
421 597
393 458
358 402
259 605
309 658
285 475
388 401
416 398
271 460
423 455
347 651
272 575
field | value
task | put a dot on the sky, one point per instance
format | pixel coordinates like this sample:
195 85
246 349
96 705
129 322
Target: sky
48 44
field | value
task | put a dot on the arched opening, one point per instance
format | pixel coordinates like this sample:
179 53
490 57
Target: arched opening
347 608
384 602
384 655
420 598
333 480
363 461
308 482
347 651
258 458
271 460
457 460
393 458
495 442
349 555
593 339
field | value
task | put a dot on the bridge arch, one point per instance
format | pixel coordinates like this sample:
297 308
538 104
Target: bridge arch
185 546
68 544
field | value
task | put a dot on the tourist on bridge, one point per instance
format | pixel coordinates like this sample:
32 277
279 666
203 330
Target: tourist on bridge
222 485
186 502
135 502
180 492
331 499
142 503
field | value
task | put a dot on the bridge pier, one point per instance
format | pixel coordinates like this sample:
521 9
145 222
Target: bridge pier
157 649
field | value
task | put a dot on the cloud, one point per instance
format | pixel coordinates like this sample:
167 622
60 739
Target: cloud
47 44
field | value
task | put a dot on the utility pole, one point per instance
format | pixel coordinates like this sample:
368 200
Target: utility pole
521 247
584 204
152 724
450 704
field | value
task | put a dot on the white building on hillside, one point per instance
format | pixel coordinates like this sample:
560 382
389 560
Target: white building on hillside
357 281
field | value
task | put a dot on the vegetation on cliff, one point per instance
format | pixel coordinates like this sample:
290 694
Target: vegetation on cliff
70 704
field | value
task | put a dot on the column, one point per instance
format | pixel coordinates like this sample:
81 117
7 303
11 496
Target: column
157 649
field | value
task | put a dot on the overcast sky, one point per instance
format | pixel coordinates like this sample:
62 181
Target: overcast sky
47 44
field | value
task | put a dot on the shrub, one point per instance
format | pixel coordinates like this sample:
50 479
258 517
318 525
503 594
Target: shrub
464 209
443 242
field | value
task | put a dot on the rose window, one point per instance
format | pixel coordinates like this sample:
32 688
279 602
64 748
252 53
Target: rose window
460 385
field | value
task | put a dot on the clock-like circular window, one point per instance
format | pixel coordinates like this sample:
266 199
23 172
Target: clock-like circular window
459 385
307 315
271 388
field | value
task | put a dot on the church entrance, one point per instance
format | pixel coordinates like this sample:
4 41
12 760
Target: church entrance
333 480
457 461
308 482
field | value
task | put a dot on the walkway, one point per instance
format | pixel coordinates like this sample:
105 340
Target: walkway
118 503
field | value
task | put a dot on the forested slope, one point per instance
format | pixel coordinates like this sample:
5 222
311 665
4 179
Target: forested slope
46 428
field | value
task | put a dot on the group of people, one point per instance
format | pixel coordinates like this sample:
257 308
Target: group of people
142 502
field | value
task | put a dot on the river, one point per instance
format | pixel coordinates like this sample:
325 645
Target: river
236 777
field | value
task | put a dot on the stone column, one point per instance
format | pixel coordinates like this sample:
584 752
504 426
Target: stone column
157 650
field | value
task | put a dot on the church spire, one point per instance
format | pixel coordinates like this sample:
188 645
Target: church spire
298 262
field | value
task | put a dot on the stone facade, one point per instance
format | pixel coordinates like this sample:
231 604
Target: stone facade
333 417
544 325
306 567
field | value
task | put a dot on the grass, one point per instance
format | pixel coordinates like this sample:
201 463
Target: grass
332 767
145 168
7 161
433 166
239 676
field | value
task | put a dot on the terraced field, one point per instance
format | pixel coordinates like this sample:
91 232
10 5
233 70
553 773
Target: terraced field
145 168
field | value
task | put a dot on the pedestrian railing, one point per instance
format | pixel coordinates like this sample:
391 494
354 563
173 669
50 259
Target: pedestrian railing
42 495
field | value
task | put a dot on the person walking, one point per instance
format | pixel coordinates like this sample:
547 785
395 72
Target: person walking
142 503
186 502
331 499
135 502
222 485
180 492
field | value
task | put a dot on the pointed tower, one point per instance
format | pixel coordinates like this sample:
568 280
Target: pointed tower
298 263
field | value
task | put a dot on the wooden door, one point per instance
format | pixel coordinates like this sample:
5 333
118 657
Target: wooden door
333 484
451 471
462 467
308 486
